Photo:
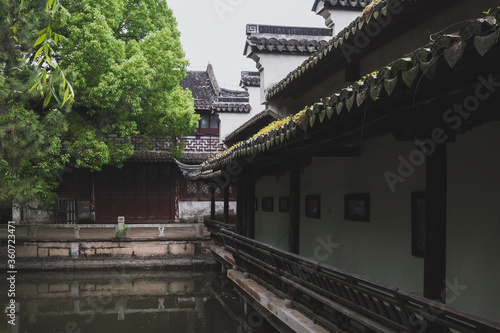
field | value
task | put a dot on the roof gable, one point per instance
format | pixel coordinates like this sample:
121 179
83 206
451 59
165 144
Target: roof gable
209 96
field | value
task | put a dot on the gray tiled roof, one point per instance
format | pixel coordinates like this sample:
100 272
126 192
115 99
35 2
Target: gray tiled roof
209 96
284 39
250 79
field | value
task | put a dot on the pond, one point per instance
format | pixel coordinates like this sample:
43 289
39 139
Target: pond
127 301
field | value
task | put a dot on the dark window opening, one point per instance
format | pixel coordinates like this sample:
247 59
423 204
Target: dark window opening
208 125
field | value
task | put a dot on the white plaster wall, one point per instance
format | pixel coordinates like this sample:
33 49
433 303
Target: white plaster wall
473 229
195 211
231 121
342 18
381 248
254 100
272 227
276 67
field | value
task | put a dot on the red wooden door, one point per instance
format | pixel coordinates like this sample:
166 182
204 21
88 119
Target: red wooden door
142 192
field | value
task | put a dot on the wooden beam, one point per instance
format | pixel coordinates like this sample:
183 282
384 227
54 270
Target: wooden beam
294 210
435 224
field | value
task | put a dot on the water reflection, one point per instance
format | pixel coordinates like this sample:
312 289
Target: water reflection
127 301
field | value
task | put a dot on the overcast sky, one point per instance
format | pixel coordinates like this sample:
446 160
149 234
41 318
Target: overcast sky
214 30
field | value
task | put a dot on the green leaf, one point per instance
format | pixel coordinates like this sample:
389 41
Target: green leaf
38 53
40 40
56 38
71 90
47 100
66 95
42 31
55 95
46 50
34 86
45 76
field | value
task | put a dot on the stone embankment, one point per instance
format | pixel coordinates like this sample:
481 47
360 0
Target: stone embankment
52 247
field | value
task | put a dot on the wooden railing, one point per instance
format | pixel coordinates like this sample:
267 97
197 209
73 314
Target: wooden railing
334 298
214 228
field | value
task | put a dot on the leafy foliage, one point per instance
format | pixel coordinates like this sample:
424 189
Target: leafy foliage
121 60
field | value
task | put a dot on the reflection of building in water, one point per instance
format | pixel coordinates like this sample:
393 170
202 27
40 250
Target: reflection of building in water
152 301
112 301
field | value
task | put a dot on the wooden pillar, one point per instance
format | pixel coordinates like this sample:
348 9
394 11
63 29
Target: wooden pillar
92 196
250 206
435 224
226 204
212 203
294 211
240 204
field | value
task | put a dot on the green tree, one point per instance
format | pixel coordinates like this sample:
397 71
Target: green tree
124 61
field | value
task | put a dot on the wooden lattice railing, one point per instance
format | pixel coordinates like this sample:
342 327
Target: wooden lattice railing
335 299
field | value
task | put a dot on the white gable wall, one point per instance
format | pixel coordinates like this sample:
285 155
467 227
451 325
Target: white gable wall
274 68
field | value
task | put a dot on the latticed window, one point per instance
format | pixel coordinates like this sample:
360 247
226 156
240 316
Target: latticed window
192 187
204 188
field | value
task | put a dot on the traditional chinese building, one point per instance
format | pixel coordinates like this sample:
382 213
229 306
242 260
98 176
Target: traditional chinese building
150 187
372 201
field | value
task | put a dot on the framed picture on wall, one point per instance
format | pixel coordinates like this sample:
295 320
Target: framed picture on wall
313 206
418 224
268 204
284 203
357 207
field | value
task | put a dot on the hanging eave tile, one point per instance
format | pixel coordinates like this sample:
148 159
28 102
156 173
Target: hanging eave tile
484 43
390 85
322 115
454 55
339 107
360 97
429 68
376 92
329 111
312 118
350 102
410 76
